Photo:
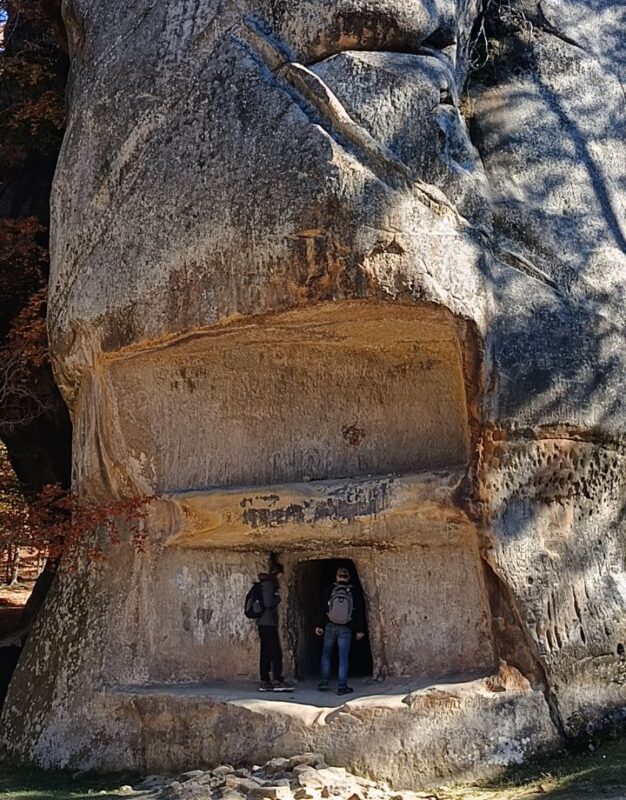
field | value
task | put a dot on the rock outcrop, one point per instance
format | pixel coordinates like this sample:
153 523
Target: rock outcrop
322 313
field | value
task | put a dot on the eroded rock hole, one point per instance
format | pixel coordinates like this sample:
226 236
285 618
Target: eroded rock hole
443 37
311 578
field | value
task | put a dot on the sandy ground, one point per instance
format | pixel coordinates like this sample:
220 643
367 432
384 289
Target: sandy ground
12 601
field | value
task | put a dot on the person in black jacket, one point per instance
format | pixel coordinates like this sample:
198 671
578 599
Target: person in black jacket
271 658
342 614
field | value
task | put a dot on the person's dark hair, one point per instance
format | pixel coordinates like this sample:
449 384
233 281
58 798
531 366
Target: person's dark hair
276 568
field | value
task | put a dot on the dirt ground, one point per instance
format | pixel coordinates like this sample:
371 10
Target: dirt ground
13 598
600 775
12 601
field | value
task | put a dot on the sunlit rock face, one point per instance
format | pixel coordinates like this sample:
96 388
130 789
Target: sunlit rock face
292 296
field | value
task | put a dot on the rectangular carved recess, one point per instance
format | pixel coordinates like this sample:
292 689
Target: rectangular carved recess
337 431
427 612
340 390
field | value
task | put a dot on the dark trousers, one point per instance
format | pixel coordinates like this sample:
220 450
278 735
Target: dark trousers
271 655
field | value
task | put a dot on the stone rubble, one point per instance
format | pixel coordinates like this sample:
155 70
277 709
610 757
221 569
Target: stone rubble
302 777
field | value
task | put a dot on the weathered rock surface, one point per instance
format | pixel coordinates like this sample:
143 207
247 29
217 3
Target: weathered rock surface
295 297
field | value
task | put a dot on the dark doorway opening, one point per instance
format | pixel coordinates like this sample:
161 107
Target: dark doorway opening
311 580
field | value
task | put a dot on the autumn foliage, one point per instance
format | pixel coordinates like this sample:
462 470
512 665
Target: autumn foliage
13 521
60 525
32 85
47 519
55 524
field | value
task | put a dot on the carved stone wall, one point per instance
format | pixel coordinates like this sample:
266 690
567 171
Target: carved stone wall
321 312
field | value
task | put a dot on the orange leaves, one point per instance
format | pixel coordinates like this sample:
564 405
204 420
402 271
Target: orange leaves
16 229
20 249
56 524
32 85
13 506
62 526
24 346
28 335
25 72
33 72
43 114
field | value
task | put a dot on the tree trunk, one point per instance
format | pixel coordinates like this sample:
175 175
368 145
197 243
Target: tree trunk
13 571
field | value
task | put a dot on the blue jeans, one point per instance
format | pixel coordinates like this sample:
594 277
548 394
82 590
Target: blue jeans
342 635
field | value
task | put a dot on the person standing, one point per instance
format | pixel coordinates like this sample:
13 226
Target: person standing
342 615
271 656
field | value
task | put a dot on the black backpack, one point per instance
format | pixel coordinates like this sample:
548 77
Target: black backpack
254 606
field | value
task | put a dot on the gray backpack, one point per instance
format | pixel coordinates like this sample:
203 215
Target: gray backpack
340 604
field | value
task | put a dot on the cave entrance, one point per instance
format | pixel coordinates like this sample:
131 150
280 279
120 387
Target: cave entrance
311 580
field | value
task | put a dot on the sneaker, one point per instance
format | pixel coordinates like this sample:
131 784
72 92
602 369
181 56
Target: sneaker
322 686
345 690
266 686
281 686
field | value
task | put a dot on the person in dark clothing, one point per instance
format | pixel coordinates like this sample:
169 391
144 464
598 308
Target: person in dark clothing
271 658
342 615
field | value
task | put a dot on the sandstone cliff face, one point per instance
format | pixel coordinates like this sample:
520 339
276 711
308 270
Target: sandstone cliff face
549 125
297 294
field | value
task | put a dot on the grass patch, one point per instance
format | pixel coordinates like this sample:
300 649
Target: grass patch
598 775
565 776
30 783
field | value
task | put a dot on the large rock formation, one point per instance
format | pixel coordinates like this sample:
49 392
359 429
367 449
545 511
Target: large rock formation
292 296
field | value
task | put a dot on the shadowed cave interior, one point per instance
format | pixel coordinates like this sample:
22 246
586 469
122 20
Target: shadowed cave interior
310 581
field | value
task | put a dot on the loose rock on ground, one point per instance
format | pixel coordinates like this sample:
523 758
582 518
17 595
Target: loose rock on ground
302 777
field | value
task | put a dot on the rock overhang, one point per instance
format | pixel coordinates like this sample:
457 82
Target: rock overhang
330 390
384 511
